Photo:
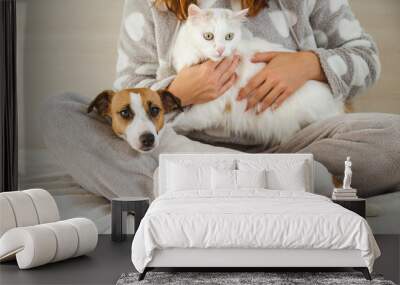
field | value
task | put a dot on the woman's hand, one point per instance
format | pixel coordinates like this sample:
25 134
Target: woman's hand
284 74
204 82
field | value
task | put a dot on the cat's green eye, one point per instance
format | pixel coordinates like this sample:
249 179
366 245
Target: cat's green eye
208 36
229 36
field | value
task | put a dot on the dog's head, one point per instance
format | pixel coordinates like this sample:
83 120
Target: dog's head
137 115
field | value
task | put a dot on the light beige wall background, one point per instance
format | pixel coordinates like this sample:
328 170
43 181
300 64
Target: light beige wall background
63 46
381 18
70 46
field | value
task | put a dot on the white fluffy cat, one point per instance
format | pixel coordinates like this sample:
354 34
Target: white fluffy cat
218 33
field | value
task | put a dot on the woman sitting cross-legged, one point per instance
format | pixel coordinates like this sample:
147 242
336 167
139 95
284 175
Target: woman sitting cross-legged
330 47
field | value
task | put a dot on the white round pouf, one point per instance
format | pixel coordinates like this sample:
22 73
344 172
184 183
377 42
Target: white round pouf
26 208
87 233
7 216
67 239
40 244
46 207
23 208
32 246
31 233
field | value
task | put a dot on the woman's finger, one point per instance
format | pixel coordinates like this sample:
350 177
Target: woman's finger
264 56
271 98
280 100
252 85
231 70
211 64
259 94
223 65
228 84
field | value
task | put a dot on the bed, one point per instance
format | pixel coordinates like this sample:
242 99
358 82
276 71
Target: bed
197 223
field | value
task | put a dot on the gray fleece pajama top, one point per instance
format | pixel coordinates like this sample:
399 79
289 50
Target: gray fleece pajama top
348 56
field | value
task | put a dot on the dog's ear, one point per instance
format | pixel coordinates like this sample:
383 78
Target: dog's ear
101 103
172 106
170 102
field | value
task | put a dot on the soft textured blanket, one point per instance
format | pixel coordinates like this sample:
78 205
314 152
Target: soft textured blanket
251 218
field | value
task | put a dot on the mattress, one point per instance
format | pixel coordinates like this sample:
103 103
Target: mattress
252 218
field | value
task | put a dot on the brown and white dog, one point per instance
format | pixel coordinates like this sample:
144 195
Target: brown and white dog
138 115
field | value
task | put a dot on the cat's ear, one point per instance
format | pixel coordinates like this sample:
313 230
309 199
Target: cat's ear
194 10
241 15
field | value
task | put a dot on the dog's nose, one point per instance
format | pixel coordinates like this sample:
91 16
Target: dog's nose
147 139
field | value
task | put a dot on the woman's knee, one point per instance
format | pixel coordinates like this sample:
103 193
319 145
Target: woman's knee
59 112
375 129
390 141
378 131
63 103
376 139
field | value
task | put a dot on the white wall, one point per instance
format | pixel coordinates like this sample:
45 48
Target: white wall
70 46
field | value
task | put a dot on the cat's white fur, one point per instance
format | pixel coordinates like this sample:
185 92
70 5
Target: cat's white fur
312 102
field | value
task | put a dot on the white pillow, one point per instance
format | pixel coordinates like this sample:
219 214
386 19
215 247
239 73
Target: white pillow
293 179
251 178
281 175
223 179
181 178
226 179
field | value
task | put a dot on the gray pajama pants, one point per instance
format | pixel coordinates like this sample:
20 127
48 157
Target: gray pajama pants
85 146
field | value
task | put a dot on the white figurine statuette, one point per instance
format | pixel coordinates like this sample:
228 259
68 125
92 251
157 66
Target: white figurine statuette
346 192
347 174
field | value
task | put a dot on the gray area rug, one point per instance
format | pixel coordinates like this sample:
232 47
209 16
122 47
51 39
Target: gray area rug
243 278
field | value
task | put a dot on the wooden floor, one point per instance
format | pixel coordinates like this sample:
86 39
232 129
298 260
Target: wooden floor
110 260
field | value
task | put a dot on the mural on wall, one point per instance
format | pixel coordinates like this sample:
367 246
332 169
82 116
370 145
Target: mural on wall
69 146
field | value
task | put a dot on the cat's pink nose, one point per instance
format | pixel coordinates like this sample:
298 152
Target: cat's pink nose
220 50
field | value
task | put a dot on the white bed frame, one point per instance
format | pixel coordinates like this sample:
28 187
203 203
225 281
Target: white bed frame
234 257
251 258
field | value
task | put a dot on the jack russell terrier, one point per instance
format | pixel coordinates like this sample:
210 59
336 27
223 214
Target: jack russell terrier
138 115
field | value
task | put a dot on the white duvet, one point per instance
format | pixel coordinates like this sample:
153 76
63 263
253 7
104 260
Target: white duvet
253 218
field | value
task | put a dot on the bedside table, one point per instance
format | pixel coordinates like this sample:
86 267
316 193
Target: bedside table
119 211
355 205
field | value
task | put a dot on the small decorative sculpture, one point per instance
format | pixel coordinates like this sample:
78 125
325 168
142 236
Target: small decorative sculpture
347 174
346 192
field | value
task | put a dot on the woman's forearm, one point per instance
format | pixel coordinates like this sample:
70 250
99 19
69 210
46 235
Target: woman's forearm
313 66
348 55
178 91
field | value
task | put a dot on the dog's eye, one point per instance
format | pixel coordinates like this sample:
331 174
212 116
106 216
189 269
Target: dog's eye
208 36
229 36
126 113
154 111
